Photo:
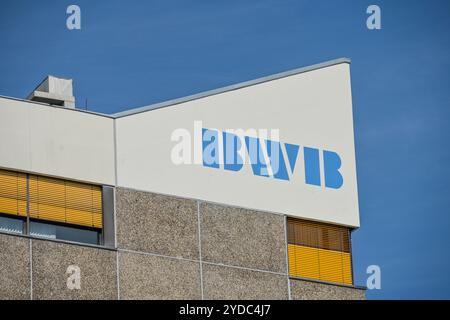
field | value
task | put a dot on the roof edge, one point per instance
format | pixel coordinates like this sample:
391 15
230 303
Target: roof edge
200 95
58 107
232 87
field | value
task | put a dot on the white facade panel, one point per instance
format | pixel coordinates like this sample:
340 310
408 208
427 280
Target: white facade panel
310 109
56 142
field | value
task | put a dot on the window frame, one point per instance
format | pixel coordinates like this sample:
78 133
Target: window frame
316 238
27 220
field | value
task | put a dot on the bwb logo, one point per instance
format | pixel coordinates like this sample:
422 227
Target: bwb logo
267 159
230 149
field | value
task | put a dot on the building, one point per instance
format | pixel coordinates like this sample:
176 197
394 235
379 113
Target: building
246 192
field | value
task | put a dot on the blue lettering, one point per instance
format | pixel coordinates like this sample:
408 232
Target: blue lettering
259 166
231 145
210 142
312 166
331 164
233 161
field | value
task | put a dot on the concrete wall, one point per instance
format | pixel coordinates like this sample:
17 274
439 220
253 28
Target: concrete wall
168 248
207 250
308 290
15 276
50 261
37 269
176 248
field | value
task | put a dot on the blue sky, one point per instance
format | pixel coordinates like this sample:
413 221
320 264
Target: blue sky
134 53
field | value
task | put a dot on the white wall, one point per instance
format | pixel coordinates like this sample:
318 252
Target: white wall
310 109
56 142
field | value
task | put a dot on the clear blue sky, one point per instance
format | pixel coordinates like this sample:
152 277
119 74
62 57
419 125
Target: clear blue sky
134 53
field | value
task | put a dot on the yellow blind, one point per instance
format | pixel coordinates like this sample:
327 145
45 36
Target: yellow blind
51 199
318 235
13 193
319 251
320 264
65 201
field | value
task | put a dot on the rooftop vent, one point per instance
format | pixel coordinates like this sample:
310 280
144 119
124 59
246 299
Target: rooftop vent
55 91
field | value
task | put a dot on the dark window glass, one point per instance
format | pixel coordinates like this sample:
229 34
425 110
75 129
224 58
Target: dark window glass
55 231
11 225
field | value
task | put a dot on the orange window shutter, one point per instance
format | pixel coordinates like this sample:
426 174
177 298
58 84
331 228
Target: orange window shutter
13 193
319 251
69 202
22 194
330 266
347 268
8 192
303 262
51 199
33 196
84 205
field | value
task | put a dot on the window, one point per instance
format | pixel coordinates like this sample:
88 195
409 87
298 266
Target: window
56 231
11 225
52 208
319 251
13 193
65 201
